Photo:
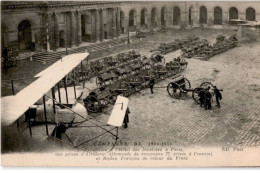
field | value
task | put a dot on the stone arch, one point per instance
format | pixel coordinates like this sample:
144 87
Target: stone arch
191 15
132 20
217 16
122 19
203 15
85 28
4 36
154 17
143 18
250 14
233 13
176 15
164 16
25 35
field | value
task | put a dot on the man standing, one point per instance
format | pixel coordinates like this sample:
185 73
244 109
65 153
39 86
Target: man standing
208 97
151 83
126 119
202 97
218 95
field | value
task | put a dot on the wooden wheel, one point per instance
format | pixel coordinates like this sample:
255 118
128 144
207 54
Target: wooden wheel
205 85
92 104
187 85
195 94
174 90
99 81
175 67
183 64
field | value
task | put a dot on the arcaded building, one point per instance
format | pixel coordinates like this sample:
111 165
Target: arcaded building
48 26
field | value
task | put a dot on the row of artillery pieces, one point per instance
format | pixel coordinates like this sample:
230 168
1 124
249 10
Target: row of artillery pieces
193 46
129 78
126 65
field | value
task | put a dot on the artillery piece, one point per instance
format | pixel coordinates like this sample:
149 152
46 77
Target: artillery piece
181 85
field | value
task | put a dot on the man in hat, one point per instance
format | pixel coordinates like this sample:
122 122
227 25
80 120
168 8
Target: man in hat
126 119
208 97
218 95
151 83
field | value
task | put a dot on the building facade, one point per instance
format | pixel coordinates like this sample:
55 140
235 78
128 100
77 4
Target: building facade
48 26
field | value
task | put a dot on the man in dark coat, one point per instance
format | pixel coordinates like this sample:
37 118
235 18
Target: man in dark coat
202 97
126 119
151 83
218 95
208 97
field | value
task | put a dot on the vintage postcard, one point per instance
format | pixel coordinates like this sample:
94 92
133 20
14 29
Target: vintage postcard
130 83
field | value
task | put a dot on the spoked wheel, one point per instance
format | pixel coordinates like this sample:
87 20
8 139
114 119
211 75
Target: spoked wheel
92 104
126 86
205 85
174 90
175 67
99 81
195 94
183 64
137 87
187 85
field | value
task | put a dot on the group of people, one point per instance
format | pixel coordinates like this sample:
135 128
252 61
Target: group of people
205 97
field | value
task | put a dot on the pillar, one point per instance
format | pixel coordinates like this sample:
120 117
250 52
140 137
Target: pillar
56 31
79 32
118 22
101 24
114 30
97 25
73 28
48 31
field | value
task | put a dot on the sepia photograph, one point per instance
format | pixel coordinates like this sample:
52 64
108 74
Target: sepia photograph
130 83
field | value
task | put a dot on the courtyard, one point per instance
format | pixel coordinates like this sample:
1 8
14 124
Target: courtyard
158 118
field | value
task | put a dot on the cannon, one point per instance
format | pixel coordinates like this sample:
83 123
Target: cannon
181 85
97 99
157 58
183 63
105 77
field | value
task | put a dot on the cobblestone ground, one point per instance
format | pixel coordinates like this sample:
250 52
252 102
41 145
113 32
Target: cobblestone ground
160 118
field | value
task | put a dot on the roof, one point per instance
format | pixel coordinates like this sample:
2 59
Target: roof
12 107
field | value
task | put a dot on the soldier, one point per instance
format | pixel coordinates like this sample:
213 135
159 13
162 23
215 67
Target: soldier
202 97
126 119
208 97
218 95
151 83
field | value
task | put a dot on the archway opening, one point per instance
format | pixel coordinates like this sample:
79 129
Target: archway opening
203 15
122 18
163 16
154 17
176 15
85 28
233 13
191 16
250 14
25 36
132 20
217 16
143 18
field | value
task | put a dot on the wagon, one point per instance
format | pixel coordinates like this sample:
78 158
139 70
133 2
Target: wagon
173 67
104 78
183 63
146 62
181 85
161 71
120 88
121 71
109 61
136 66
97 99
157 58
96 67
